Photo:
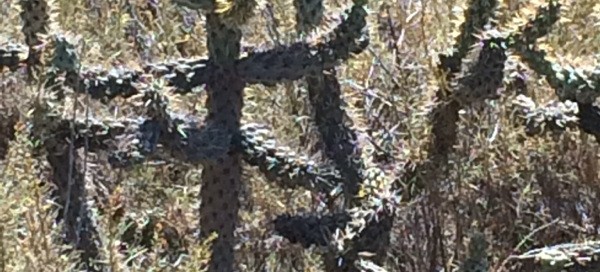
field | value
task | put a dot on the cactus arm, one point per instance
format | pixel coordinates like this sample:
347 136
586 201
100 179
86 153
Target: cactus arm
300 59
282 165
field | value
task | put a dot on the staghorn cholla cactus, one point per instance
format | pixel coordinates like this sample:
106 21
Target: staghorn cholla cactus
219 142
452 98
38 18
571 84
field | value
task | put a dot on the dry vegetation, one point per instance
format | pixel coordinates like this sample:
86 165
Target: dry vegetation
441 134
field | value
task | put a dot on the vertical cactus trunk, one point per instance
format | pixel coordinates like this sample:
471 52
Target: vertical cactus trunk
221 178
38 19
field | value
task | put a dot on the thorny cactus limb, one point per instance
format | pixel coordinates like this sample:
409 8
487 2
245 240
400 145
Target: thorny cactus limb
264 67
554 116
70 192
282 164
308 14
572 256
445 115
352 232
154 132
105 84
300 59
372 221
570 84
12 55
38 21
68 169
484 78
477 260
339 141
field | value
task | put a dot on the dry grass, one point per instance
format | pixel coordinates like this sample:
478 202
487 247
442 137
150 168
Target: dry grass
520 192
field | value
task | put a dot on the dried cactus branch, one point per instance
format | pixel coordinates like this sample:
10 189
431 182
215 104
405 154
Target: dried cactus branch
573 255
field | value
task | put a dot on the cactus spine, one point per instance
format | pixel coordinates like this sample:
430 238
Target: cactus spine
38 18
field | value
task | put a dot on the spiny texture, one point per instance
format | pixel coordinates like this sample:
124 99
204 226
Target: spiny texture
349 233
38 21
67 169
309 230
283 165
12 55
308 14
337 139
477 260
553 116
445 115
570 83
484 78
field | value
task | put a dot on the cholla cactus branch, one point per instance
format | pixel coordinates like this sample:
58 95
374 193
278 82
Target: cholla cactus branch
477 15
282 164
12 55
184 75
570 83
554 115
477 260
572 255
309 230
268 67
445 115
38 18
340 142
352 231
300 59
